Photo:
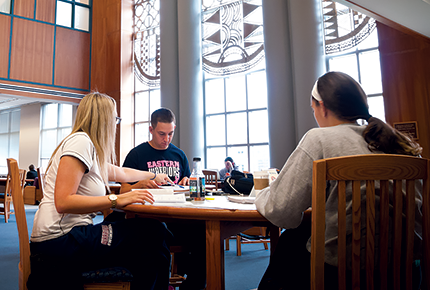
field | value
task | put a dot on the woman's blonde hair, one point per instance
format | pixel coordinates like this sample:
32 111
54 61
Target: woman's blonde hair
96 116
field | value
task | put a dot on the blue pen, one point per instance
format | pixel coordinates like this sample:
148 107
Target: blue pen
181 186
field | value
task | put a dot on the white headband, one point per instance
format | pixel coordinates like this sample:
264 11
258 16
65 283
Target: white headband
315 93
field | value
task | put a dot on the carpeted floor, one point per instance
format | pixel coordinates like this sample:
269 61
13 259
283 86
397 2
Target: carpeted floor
241 273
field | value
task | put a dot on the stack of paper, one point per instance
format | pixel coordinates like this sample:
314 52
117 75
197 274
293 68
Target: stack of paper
241 199
166 195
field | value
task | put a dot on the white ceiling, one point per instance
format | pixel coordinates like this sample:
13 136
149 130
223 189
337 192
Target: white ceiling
413 14
12 101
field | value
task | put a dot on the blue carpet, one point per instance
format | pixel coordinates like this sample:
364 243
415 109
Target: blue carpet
241 273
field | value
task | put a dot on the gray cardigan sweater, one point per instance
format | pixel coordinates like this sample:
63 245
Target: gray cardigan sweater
285 200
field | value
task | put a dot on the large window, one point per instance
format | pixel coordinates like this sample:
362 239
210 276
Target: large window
235 84
352 47
74 14
146 66
56 125
9 137
5 6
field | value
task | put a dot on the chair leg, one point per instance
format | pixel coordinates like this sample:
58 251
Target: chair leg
238 246
6 211
227 244
263 233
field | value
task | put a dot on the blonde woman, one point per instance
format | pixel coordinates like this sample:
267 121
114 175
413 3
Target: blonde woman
64 241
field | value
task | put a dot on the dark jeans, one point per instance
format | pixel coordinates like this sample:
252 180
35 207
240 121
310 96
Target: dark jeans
192 261
289 266
140 245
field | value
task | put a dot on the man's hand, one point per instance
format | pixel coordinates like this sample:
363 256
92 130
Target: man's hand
185 181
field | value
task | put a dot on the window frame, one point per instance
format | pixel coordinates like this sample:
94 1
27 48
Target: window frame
43 161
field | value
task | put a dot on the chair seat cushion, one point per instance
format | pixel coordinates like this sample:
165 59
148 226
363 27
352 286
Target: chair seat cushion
107 275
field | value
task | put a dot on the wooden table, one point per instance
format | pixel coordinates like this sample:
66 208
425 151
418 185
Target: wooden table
220 224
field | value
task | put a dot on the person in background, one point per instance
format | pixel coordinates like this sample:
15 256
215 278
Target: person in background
160 156
31 174
229 167
337 101
64 240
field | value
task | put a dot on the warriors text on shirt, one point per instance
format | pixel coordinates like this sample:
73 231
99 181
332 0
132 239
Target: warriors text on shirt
171 168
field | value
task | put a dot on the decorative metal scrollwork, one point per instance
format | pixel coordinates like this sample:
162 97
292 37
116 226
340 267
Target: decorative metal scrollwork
344 28
147 41
232 36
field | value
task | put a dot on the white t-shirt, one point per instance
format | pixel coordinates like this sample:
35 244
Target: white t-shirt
48 223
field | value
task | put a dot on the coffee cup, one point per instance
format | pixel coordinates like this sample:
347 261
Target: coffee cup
261 180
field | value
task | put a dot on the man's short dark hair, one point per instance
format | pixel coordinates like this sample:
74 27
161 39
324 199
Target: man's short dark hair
229 159
31 167
162 115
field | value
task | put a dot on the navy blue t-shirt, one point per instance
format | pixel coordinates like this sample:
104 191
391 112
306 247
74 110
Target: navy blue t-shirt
171 161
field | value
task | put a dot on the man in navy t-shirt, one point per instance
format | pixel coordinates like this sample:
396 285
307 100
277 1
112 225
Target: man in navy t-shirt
159 155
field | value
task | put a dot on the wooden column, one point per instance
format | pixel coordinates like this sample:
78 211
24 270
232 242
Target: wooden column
111 53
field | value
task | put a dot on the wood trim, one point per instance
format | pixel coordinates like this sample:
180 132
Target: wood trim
405 73
48 98
72 58
43 87
24 8
45 10
4 44
32 51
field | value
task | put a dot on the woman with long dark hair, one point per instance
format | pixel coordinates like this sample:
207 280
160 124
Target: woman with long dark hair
338 102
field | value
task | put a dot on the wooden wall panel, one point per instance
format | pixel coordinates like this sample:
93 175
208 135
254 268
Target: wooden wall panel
4 44
32 51
24 8
405 68
106 44
72 58
45 10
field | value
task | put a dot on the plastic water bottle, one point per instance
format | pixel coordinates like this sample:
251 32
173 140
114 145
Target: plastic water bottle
197 181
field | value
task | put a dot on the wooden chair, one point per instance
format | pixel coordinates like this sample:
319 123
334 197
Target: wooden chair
253 235
175 279
211 179
6 198
366 169
41 183
24 245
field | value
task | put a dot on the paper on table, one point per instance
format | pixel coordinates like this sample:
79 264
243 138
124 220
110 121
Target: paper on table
161 191
241 199
166 195
175 187
220 202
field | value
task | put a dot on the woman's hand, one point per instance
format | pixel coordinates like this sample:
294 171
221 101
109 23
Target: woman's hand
162 178
135 196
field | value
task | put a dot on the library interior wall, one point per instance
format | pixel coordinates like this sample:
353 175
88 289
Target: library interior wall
305 67
29 135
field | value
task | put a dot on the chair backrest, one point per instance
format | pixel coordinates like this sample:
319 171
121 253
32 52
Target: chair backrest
7 187
211 177
41 178
21 221
22 176
385 168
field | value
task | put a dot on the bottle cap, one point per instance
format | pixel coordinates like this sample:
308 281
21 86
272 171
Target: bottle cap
197 159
